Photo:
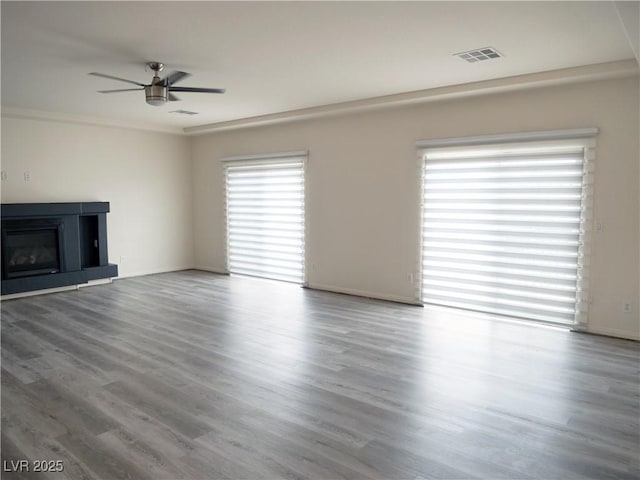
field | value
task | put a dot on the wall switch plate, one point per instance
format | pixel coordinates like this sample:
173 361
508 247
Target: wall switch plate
626 307
27 176
3 175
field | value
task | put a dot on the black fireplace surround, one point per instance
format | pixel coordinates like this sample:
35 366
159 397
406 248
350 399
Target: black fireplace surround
48 245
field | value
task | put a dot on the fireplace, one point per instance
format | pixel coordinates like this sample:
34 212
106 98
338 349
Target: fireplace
47 245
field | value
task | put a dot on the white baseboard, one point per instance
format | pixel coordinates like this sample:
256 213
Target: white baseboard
93 283
142 273
220 271
613 332
364 293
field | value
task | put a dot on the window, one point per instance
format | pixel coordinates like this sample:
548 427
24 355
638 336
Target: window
265 216
506 224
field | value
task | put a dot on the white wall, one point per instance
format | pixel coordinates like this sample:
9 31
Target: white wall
167 191
145 176
363 187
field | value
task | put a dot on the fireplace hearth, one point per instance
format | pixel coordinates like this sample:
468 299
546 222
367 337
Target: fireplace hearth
48 245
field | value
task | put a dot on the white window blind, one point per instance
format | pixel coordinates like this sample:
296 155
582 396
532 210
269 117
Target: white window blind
265 216
506 228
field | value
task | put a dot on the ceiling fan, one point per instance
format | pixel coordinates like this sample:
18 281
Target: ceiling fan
160 90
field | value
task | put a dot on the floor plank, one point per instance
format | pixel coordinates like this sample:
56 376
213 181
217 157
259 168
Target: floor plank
195 375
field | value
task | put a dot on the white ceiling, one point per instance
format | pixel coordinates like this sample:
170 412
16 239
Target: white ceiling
281 56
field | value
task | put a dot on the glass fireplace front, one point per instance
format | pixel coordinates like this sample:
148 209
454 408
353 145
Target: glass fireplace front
31 250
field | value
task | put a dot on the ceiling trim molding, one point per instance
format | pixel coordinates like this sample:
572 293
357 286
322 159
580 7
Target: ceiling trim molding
25 113
601 71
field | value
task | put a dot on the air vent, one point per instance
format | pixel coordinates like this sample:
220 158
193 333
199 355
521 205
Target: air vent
183 112
487 53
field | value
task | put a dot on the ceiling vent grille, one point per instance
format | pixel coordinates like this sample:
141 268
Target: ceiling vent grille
478 55
183 112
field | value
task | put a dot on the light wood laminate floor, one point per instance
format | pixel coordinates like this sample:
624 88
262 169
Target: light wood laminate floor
200 376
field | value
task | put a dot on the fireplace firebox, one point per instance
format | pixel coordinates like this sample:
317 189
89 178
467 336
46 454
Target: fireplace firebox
47 245
31 247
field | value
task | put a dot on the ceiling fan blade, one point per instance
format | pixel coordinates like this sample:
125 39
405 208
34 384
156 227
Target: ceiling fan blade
121 90
172 97
116 78
200 90
174 77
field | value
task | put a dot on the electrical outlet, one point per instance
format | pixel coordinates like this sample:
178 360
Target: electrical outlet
3 175
626 307
27 176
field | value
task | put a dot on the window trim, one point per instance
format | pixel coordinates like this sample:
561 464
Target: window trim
266 156
546 135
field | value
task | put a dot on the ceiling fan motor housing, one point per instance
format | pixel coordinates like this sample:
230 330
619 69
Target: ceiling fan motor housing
156 93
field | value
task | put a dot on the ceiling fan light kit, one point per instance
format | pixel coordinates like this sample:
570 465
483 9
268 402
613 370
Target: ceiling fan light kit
158 92
156 95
